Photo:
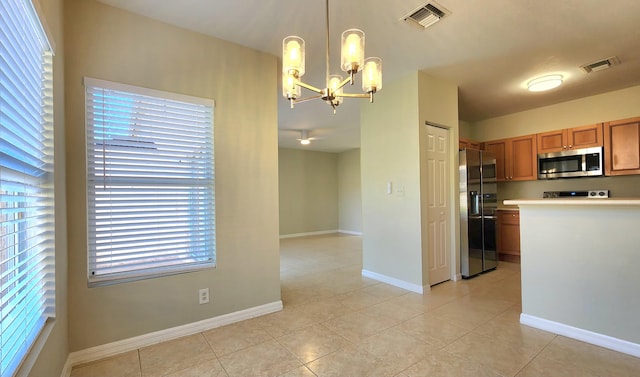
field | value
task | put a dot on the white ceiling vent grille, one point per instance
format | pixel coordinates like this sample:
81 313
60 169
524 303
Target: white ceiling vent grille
427 14
600 64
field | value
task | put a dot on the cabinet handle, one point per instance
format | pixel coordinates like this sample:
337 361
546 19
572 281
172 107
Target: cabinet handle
570 146
564 147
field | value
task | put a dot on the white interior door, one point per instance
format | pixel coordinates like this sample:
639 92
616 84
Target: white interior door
438 205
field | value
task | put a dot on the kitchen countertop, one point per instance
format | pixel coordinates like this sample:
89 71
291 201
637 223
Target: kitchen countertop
574 202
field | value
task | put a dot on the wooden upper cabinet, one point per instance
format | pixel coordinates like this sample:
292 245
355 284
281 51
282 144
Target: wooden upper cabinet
468 143
516 158
586 136
499 149
571 138
552 141
622 147
524 165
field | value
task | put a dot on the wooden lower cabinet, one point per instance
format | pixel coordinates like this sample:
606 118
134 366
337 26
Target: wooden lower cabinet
508 236
622 147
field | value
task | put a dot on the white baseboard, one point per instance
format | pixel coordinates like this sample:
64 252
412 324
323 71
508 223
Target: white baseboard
126 345
395 282
294 235
352 232
586 336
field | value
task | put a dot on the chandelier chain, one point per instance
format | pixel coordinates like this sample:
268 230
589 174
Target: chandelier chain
328 73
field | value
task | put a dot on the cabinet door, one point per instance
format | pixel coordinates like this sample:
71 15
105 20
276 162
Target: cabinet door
622 147
509 236
572 138
524 159
499 148
468 143
552 141
585 137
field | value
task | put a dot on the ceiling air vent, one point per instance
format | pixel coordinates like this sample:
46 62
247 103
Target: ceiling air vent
600 64
427 15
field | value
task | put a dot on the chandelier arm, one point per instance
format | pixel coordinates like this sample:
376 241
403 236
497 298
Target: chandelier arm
358 95
343 83
309 87
307 99
354 95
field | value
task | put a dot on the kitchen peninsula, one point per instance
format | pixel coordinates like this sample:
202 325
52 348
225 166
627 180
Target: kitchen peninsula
580 262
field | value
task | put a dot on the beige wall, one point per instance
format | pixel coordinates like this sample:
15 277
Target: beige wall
466 129
349 192
619 104
391 243
390 152
110 44
50 352
319 191
439 105
583 272
308 191
619 187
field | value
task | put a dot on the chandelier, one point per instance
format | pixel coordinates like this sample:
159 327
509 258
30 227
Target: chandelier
352 61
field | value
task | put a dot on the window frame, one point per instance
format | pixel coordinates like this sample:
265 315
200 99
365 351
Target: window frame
139 274
30 211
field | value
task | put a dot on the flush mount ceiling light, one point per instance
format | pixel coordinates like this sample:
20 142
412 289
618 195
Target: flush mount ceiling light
304 137
352 62
544 83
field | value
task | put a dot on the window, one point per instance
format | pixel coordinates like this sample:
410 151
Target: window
26 182
150 182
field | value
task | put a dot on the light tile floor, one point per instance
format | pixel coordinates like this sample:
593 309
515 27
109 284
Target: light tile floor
337 323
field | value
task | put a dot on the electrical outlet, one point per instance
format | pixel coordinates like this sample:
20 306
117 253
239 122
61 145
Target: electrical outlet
203 296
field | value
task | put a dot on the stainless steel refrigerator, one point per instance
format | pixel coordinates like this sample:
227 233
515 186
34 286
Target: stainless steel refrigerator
478 205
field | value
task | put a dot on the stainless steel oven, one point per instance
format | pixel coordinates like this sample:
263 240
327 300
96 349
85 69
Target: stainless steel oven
572 163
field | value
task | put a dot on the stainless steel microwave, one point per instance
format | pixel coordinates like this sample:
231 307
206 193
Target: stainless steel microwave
571 163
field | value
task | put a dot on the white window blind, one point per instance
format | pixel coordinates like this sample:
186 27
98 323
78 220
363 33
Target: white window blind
26 182
150 178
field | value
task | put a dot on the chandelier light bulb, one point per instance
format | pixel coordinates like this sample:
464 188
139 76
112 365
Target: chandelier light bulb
335 89
289 88
352 50
293 56
372 75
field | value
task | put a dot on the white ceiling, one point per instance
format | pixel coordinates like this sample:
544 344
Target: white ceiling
489 48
